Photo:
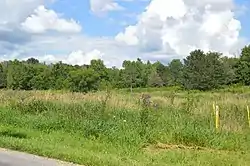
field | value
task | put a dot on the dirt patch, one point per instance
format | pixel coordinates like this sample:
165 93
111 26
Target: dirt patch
163 147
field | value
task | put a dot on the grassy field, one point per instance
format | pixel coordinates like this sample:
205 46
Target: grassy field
116 128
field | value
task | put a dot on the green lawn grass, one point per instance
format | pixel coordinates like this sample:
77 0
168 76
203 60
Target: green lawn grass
94 133
75 148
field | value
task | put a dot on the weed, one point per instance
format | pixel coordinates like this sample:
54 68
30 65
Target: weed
14 134
32 107
111 128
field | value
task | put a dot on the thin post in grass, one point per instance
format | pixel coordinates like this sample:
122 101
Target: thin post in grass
214 107
217 117
248 116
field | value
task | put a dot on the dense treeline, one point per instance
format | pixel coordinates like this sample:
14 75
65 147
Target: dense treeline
199 70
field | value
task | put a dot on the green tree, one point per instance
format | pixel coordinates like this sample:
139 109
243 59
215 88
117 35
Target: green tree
59 75
19 75
230 70
203 71
83 80
42 79
154 80
99 67
130 74
161 71
176 72
243 66
2 77
32 61
102 72
114 77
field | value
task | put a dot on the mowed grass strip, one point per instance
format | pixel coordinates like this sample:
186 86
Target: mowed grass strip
76 149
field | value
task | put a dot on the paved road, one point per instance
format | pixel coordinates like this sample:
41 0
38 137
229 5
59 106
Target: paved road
13 158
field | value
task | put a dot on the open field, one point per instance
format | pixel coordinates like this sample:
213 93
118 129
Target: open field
116 128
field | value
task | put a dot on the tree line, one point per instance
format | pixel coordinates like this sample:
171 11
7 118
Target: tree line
199 70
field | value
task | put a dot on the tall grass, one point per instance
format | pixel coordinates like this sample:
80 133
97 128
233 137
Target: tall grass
120 121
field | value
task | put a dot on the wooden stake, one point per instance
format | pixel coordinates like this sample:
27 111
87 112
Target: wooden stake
217 117
248 116
213 107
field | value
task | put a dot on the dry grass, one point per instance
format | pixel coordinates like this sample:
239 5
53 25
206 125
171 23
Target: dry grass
163 147
232 105
117 100
82 128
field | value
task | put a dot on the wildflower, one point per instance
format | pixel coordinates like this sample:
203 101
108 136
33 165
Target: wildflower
124 120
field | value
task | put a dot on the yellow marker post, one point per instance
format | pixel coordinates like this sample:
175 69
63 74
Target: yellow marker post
213 107
248 116
217 117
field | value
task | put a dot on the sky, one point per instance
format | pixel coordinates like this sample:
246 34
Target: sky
77 31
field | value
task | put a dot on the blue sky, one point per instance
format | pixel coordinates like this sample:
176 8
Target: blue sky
76 31
244 17
111 23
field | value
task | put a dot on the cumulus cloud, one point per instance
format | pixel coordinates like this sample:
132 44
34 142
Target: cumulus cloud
180 26
100 6
129 36
44 19
15 16
79 57
75 49
16 11
166 29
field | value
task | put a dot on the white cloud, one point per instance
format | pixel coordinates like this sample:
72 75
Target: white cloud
129 36
74 49
80 58
178 27
75 58
45 58
110 58
45 19
16 11
161 33
100 6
